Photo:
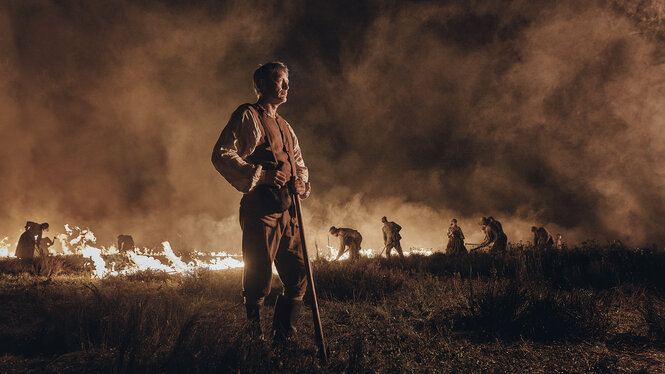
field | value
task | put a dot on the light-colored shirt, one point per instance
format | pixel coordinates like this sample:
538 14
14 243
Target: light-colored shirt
238 141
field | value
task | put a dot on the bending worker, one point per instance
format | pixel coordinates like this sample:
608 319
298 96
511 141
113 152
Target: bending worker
494 235
347 238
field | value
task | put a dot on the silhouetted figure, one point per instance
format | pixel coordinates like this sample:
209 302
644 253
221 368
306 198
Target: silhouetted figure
455 239
125 243
391 237
44 245
27 243
542 239
496 223
494 235
258 153
347 238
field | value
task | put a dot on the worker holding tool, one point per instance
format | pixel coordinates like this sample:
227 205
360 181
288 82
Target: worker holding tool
348 238
258 153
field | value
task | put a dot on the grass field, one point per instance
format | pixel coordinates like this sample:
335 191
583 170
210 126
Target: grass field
587 309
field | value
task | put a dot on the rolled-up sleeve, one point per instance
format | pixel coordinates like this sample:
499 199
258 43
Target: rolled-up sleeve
237 141
301 170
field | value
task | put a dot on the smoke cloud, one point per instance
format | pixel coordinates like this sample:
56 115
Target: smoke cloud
532 112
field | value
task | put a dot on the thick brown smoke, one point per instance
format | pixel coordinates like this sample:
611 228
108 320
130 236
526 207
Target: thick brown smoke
545 113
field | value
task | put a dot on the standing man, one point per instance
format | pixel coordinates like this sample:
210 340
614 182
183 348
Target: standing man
258 154
391 237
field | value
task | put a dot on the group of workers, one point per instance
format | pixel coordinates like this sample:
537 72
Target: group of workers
495 239
31 242
351 239
258 153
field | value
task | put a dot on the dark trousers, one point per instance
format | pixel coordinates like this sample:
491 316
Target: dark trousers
268 238
397 246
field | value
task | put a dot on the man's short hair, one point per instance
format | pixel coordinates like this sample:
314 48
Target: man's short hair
266 72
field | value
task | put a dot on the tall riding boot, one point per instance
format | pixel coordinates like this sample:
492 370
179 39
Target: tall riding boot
254 318
286 314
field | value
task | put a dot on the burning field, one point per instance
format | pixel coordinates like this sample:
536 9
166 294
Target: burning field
539 113
109 261
583 309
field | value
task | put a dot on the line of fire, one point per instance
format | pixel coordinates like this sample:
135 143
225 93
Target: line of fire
123 257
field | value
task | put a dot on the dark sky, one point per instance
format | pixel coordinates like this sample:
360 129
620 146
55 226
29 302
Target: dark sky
535 112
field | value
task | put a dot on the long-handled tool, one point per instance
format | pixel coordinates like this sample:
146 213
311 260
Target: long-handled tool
478 246
318 329
384 248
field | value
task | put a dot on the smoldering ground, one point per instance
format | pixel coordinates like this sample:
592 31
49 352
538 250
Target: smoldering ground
544 113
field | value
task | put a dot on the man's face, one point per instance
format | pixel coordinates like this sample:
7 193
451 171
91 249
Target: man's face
277 88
